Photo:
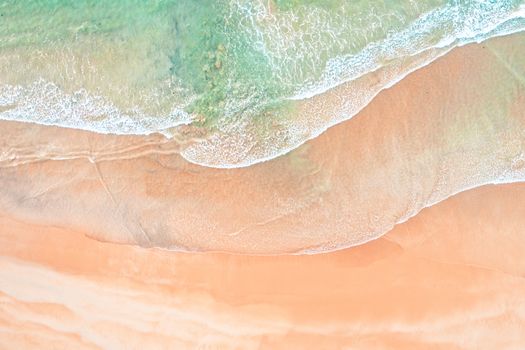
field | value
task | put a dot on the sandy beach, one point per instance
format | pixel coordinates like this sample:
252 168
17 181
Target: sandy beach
91 227
442 130
450 278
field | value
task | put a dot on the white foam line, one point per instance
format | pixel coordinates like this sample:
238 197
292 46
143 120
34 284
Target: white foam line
43 102
350 116
494 182
459 39
317 132
164 130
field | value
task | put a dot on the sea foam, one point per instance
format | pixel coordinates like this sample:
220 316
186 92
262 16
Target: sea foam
302 52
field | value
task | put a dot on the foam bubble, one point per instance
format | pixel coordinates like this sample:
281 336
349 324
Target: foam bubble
45 103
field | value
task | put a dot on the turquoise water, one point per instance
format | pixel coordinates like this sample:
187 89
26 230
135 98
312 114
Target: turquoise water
130 66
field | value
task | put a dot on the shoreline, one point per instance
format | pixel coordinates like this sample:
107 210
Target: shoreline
194 153
414 145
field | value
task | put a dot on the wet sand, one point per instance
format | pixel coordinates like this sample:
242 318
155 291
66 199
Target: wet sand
455 124
450 278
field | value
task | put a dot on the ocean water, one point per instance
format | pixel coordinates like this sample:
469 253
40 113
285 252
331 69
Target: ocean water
249 75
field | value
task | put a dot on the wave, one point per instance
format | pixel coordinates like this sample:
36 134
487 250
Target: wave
455 125
263 78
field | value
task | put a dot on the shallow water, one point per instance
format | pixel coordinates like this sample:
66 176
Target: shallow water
239 71
456 124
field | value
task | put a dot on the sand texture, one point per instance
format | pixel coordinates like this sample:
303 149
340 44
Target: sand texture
102 236
456 124
450 278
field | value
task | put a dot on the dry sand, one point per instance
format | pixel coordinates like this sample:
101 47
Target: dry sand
450 278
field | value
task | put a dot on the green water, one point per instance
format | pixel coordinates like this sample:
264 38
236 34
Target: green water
47 22
231 56
130 66
214 61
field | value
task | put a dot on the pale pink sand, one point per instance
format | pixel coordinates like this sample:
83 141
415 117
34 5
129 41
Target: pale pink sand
456 124
450 278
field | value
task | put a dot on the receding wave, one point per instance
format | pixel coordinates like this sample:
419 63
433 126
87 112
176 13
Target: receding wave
257 78
456 124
